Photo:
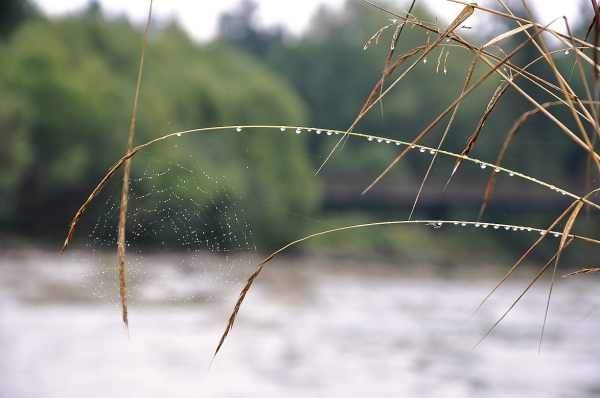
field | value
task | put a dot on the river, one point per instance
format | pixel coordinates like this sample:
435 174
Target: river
308 328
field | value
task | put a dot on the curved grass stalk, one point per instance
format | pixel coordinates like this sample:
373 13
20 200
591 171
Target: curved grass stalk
135 150
435 223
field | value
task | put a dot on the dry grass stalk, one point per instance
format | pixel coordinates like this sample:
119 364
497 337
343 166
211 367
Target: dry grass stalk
500 66
463 16
125 189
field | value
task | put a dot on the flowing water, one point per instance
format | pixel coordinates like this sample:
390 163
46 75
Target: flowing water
310 328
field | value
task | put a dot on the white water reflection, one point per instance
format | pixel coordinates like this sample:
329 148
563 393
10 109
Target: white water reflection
306 330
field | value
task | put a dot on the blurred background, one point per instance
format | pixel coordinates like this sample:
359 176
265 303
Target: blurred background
67 84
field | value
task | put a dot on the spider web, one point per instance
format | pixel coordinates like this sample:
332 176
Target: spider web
189 242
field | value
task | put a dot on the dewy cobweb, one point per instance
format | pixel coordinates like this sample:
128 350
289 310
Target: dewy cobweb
189 243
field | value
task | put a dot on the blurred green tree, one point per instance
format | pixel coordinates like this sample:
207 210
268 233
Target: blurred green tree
66 93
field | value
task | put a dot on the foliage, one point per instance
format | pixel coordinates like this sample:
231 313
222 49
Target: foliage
67 88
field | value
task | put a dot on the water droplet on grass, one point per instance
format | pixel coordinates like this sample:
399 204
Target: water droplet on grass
329 132
424 60
497 170
318 131
483 166
463 224
567 52
178 134
370 138
496 226
511 174
298 131
432 151
421 149
379 139
238 128
282 128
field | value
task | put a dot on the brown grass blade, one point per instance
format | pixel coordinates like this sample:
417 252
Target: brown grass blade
506 35
583 271
467 81
520 261
482 121
462 16
493 69
539 274
561 247
522 120
555 33
125 190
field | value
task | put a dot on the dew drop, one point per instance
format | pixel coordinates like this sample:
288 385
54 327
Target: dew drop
463 224
329 133
370 138
455 222
567 52
483 166
282 128
397 143
514 228
424 60
448 40
178 134
298 131
238 128
318 131
511 174
497 170
542 232
445 71
412 146
496 226
387 141
379 139
477 225
507 227
556 235
485 225
309 130
421 149
432 151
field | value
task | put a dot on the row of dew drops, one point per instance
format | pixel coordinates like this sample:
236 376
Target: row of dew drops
388 141
438 224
